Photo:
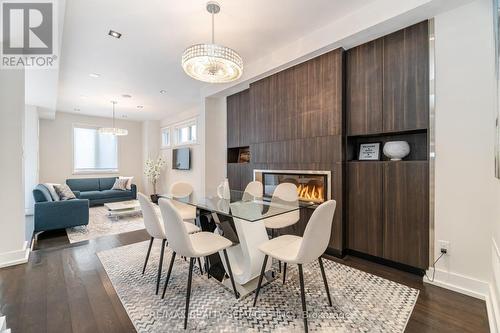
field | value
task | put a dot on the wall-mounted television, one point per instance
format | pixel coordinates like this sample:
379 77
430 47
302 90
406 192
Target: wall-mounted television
181 159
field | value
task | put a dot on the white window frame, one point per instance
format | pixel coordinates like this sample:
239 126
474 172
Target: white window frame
92 171
179 125
169 144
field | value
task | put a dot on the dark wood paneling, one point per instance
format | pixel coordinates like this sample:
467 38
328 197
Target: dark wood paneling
246 174
233 121
406 213
364 207
234 176
364 88
245 119
406 79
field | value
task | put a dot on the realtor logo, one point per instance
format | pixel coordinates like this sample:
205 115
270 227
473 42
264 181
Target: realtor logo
27 34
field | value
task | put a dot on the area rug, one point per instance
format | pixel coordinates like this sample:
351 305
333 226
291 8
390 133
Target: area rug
362 302
100 225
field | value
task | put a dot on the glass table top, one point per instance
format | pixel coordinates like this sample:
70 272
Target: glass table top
243 205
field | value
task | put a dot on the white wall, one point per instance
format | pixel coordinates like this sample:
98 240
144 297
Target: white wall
151 140
31 168
56 148
195 176
13 247
215 143
467 194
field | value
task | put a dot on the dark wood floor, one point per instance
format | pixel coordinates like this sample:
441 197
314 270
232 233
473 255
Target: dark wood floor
64 288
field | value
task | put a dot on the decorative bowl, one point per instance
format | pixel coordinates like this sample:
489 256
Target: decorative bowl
396 150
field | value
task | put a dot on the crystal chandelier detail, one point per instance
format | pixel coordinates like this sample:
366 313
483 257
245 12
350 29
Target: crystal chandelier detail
212 62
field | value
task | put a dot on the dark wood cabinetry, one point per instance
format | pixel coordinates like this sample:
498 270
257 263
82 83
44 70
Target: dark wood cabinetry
388 210
406 79
364 207
388 83
406 213
364 88
239 120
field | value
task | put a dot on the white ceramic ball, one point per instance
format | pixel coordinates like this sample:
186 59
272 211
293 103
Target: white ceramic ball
396 150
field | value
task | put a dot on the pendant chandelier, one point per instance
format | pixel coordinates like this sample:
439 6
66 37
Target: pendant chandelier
212 62
113 130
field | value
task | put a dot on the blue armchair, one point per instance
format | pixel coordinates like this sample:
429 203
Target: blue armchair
50 214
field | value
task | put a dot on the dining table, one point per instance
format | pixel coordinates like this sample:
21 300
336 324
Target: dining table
241 219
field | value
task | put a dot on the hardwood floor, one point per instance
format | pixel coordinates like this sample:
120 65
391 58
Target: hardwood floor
64 288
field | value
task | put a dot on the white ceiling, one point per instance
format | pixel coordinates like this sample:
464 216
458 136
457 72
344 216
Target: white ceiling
155 32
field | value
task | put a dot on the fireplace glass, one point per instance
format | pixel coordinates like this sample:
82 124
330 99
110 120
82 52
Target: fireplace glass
310 187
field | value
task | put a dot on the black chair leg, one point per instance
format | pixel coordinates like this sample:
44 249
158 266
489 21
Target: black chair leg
325 281
199 264
236 293
188 293
168 274
284 272
207 266
303 297
147 255
260 279
160 266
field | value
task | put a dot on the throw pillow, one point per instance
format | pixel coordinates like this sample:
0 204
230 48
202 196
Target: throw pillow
64 192
120 184
52 191
129 182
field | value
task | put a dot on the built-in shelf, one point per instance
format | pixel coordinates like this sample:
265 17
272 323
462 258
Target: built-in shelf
238 155
417 139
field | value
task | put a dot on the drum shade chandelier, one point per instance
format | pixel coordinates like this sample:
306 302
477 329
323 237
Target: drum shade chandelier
212 62
113 130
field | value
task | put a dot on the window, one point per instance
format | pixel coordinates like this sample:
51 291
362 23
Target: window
94 152
165 137
186 133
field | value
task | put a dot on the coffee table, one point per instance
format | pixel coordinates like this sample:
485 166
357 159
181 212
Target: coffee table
123 208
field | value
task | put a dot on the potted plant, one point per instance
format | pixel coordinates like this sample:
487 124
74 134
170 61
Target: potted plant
152 170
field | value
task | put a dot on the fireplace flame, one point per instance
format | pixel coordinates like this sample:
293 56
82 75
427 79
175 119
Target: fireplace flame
312 193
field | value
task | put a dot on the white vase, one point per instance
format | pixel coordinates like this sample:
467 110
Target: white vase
223 190
396 150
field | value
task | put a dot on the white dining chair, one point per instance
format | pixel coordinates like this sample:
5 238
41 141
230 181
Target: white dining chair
253 190
154 227
303 250
201 244
183 190
284 193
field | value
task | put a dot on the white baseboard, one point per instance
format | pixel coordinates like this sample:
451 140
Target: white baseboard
492 304
459 283
15 257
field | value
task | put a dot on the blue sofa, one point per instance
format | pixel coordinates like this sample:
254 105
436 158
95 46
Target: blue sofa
98 190
51 215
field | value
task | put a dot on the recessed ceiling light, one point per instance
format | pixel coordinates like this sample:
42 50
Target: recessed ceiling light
76 109
140 106
95 75
126 96
163 91
115 34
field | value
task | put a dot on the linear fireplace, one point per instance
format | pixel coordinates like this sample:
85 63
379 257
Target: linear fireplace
312 186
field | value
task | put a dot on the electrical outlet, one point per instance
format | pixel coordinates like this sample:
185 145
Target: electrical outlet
444 245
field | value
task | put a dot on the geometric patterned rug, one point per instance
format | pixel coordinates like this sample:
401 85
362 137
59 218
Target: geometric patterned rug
362 302
100 225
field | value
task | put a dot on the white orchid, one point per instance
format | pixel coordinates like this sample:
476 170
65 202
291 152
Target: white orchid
152 170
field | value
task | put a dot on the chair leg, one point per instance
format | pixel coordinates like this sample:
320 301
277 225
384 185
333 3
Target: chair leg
303 297
147 255
260 279
207 266
168 274
160 266
188 293
284 272
279 262
236 293
199 264
325 281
